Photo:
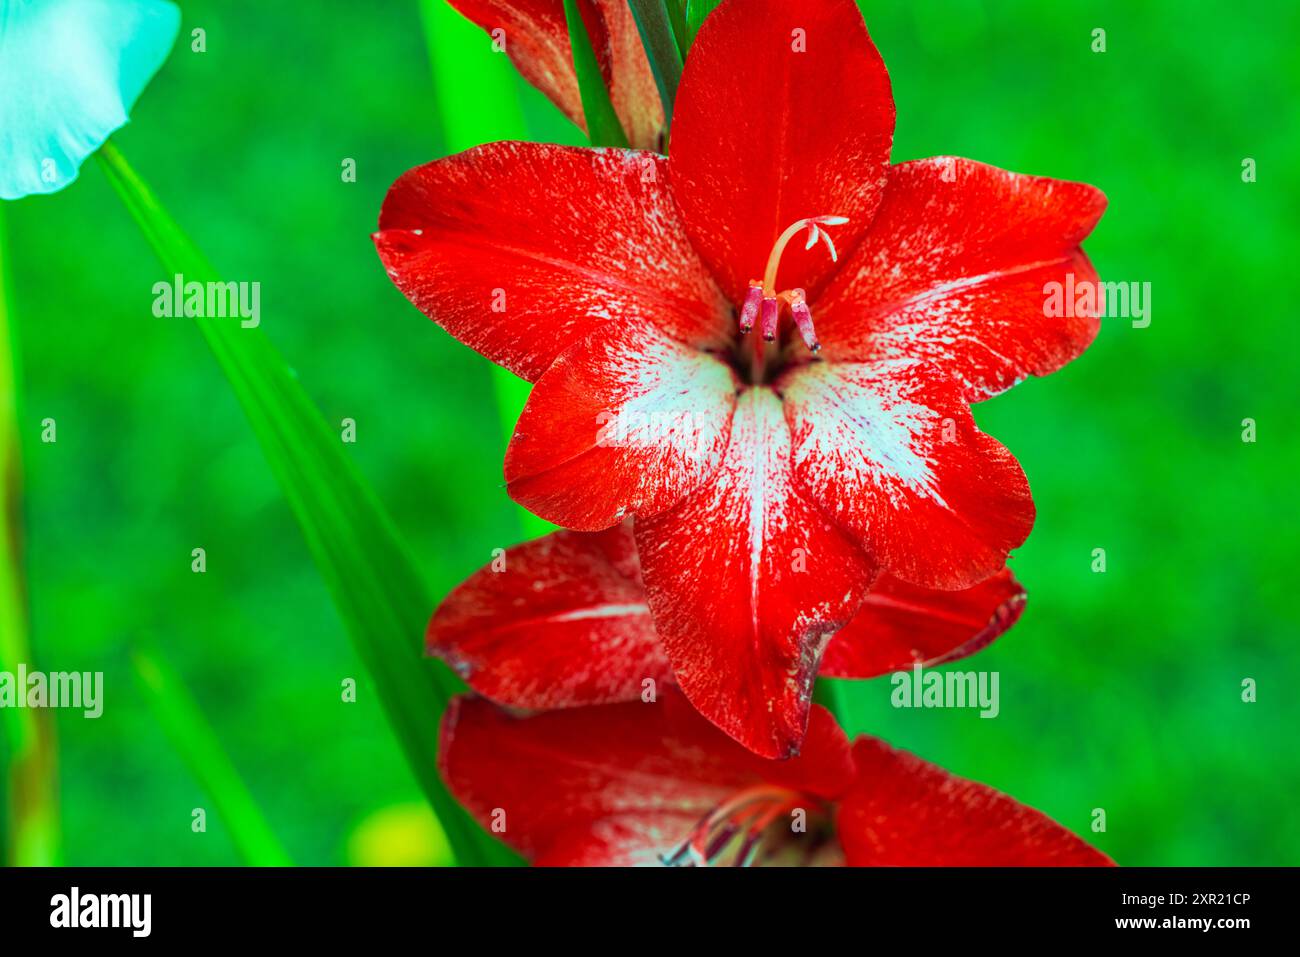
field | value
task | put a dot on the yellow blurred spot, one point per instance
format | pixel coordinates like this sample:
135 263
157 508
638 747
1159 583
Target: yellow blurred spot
402 835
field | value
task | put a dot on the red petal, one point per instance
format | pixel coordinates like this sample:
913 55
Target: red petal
615 784
519 250
890 451
907 812
954 268
563 623
764 136
627 422
746 582
901 625
536 38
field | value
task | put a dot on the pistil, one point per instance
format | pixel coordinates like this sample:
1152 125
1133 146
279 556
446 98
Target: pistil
814 226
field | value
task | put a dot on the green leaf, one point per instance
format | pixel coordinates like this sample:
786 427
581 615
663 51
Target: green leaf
29 813
654 23
603 127
376 586
696 12
199 748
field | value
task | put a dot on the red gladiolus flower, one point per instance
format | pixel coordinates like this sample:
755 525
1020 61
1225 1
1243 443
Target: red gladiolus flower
652 783
784 420
564 621
536 38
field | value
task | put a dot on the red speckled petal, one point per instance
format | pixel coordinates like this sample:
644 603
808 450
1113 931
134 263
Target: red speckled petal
746 581
553 623
955 270
520 250
901 625
615 784
892 454
626 423
907 812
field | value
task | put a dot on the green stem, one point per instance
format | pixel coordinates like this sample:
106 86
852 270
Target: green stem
681 32
28 765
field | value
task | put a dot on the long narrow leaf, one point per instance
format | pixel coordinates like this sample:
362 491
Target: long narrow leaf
655 26
201 750
378 590
603 126
27 758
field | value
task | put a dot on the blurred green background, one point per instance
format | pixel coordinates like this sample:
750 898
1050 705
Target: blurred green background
1119 691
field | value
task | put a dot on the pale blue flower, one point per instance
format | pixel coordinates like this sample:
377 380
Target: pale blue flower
70 70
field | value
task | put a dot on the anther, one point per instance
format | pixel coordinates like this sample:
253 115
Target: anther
771 311
749 312
803 319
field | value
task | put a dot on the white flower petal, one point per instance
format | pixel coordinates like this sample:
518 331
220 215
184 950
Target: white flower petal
70 71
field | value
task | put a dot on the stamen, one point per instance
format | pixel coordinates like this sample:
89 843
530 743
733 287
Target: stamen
749 312
763 301
803 319
737 831
771 312
719 843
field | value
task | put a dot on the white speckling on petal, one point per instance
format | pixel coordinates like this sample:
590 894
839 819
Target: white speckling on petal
877 432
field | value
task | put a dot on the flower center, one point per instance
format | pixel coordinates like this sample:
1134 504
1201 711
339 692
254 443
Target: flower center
764 303
756 826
